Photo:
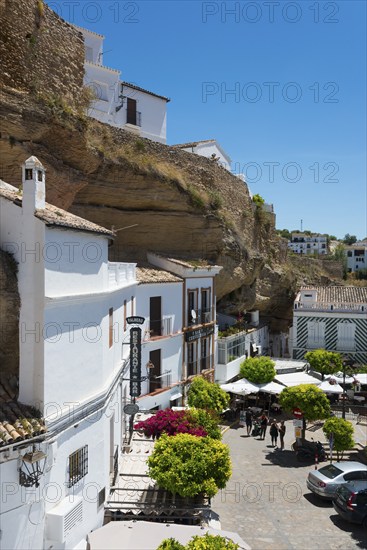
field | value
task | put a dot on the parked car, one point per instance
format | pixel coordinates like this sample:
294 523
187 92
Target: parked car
351 502
325 481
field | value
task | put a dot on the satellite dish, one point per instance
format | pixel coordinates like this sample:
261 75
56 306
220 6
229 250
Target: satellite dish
193 314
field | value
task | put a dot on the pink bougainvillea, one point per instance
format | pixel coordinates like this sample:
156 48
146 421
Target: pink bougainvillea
171 423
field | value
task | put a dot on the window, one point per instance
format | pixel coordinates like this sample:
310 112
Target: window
132 305
192 307
206 305
101 497
346 336
350 254
78 465
110 327
316 334
131 111
205 353
192 351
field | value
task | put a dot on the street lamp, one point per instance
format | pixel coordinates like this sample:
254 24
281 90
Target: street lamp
347 362
32 468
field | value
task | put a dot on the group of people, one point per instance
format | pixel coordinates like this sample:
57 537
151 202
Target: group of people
275 428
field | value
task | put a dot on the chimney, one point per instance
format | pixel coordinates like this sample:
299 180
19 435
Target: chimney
33 180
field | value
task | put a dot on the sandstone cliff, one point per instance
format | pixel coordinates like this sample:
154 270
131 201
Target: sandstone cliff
179 203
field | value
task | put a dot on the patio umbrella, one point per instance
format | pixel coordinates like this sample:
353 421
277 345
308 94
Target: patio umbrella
330 386
339 377
241 387
271 387
362 378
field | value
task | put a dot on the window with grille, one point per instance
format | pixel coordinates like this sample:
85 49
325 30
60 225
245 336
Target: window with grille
346 336
78 465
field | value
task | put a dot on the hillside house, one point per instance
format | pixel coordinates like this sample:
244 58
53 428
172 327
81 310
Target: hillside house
208 148
333 318
119 103
356 256
302 243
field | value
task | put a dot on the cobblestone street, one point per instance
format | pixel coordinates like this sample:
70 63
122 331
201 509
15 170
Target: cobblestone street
267 501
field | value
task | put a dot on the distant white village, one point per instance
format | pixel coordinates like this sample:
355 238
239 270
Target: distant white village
86 324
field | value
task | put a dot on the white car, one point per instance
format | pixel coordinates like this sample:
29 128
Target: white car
325 481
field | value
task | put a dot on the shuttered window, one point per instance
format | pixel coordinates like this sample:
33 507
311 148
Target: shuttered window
315 334
346 336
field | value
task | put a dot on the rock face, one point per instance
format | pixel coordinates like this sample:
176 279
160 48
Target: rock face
9 317
156 197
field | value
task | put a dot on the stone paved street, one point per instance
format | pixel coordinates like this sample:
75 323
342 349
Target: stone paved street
267 501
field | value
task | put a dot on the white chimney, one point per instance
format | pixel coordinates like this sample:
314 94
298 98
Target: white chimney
254 318
34 194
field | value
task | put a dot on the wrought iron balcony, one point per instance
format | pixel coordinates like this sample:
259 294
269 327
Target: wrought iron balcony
200 316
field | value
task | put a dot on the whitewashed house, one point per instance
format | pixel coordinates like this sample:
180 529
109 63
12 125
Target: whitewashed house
198 314
72 370
332 318
233 349
119 103
159 301
356 256
208 148
302 243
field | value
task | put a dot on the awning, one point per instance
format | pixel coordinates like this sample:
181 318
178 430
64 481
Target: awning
340 379
175 396
296 378
147 535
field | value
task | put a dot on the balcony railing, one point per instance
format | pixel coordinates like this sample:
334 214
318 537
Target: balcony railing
158 327
120 273
324 306
197 366
200 316
134 120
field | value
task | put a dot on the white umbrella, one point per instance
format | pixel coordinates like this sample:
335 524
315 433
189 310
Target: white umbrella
330 386
339 377
241 387
296 378
362 378
271 387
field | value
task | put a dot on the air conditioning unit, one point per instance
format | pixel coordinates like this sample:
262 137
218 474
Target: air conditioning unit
62 519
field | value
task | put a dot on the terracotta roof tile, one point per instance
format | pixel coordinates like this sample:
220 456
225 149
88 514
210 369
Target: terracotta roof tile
339 294
53 215
17 421
146 273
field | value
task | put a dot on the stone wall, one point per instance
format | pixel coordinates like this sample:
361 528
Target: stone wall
9 317
39 51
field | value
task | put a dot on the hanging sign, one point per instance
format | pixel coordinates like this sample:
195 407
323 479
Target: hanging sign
135 361
198 333
135 320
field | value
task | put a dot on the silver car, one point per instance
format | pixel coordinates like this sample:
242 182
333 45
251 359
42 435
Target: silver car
325 481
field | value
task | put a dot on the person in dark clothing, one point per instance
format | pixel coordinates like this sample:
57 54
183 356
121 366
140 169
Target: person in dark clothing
274 432
282 434
263 425
248 420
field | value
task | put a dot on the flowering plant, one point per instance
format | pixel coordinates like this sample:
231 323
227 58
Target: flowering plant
171 423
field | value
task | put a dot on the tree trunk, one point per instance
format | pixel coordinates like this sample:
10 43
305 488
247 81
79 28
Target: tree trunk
303 428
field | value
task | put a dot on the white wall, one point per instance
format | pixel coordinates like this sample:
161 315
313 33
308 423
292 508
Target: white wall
153 114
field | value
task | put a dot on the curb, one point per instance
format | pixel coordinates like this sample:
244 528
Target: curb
229 427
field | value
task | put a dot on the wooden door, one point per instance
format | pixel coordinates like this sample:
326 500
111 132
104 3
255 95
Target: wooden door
155 314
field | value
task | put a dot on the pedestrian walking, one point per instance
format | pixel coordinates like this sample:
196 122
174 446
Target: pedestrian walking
248 420
263 425
282 434
274 433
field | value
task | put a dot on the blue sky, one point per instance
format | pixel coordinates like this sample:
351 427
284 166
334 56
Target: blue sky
295 121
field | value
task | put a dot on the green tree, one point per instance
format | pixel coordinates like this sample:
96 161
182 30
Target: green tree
198 542
349 239
258 370
324 362
258 200
188 465
309 399
285 233
209 420
207 395
339 255
342 431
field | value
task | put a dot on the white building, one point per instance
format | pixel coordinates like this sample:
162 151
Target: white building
198 314
72 365
159 301
332 318
356 256
302 243
119 103
208 148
